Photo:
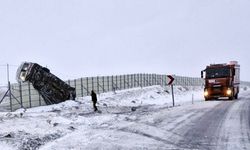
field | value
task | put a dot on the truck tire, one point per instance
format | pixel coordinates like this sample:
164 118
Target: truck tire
236 96
231 97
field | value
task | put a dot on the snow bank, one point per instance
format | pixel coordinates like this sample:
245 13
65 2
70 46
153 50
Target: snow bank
127 119
74 125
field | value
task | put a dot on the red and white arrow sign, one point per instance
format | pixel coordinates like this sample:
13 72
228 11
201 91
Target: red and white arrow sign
171 79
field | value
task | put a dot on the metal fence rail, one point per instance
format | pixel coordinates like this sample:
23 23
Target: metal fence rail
27 97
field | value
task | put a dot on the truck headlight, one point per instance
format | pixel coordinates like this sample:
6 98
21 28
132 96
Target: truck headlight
229 91
206 93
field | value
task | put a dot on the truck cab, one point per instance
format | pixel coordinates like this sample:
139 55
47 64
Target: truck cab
221 80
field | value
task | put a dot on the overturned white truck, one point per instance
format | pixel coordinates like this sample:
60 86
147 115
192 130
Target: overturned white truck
51 88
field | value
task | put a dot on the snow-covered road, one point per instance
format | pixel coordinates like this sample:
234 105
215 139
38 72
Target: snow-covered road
223 126
132 119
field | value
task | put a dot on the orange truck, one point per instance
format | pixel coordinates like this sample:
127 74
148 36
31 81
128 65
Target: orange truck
221 80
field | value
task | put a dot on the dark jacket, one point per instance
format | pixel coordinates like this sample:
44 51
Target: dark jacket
93 96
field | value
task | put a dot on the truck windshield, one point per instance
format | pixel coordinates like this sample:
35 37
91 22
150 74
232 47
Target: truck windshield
217 72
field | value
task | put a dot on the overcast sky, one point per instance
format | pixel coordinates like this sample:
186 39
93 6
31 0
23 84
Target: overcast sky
80 38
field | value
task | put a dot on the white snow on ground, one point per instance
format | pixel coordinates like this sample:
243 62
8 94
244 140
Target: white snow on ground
125 121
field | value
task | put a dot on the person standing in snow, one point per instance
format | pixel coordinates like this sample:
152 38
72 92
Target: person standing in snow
94 100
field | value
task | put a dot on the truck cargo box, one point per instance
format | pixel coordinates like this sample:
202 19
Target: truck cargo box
50 87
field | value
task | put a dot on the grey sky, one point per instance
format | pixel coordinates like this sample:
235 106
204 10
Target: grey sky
79 38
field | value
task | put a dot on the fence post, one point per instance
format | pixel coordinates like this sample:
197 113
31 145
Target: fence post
120 82
152 79
92 82
155 79
29 94
81 87
97 78
131 80
87 86
144 83
128 81
159 79
124 82
162 82
108 81
103 84
112 81
165 80
148 78
9 90
21 95
116 80
139 81
134 79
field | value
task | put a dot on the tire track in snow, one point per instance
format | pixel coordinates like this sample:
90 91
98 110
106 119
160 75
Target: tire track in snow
236 128
204 131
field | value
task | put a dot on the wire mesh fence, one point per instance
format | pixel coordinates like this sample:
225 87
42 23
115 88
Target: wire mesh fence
25 96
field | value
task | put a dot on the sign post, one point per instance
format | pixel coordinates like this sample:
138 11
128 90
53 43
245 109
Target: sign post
172 86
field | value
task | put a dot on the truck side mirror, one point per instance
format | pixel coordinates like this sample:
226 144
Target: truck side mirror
201 74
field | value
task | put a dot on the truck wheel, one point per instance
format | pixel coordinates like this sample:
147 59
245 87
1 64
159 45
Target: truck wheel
206 99
236 96
231 97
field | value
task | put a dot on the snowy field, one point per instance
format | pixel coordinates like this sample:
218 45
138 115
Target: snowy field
128 119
